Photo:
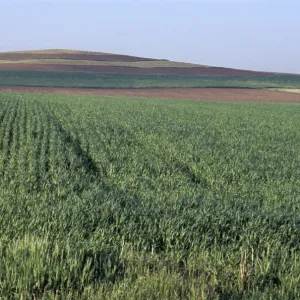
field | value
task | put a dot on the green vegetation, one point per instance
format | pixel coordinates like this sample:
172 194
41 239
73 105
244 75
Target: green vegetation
104 80
106 198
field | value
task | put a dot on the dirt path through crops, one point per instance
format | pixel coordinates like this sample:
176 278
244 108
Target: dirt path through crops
205 94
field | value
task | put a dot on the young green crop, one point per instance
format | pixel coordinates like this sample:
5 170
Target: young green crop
106 198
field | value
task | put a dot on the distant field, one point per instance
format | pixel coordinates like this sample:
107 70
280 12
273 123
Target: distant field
75 55
137 64
106 80
115 198
59 68
56 51
197 94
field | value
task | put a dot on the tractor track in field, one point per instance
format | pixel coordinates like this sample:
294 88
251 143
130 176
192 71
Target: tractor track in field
201 94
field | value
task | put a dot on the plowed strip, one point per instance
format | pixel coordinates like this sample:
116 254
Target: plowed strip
95 57
197 71
212 94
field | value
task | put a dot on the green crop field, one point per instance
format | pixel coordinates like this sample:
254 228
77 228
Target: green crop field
107 198
106 80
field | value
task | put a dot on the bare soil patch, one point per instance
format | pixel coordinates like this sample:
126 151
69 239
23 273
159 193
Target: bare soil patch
297 91
197 71
205 94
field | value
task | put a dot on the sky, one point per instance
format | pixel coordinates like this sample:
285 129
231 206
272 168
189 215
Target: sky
248 34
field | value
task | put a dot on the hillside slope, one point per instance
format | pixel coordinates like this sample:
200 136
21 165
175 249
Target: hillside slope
84 61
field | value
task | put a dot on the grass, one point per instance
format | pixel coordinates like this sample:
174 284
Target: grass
107 198
138 64
105 80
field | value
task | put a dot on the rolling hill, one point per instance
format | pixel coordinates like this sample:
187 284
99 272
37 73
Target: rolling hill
74 60
61 68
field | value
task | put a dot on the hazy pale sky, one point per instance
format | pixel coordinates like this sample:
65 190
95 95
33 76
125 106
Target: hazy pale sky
247 34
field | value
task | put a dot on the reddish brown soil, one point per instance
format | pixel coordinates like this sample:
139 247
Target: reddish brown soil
200 71
213 94
95 57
